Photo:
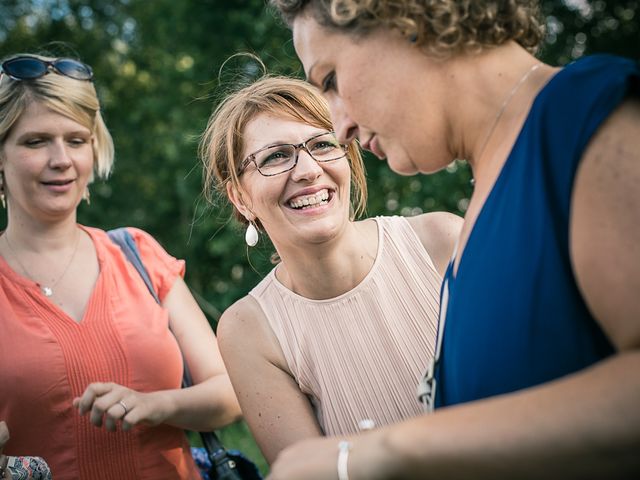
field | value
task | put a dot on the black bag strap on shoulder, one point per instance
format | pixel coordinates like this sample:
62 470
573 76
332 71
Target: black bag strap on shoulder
224 466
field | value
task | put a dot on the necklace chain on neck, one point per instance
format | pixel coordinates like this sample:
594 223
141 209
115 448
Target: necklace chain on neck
503 107
47 291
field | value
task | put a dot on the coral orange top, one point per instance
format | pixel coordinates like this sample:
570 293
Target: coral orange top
47 359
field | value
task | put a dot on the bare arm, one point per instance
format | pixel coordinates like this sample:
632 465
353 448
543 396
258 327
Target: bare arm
209 404
439 232
585 425
277 412
605 226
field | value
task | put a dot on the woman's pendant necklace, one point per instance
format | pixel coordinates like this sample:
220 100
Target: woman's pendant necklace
47 291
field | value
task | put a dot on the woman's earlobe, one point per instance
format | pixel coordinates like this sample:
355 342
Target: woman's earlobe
235 197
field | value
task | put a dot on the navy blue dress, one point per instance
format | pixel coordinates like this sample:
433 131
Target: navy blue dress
514 316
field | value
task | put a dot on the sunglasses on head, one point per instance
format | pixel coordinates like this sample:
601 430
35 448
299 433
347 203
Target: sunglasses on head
31 68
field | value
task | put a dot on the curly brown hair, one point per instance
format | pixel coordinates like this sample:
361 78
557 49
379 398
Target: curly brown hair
442 27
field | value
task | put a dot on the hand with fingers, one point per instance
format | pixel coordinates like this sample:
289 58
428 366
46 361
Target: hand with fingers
109 404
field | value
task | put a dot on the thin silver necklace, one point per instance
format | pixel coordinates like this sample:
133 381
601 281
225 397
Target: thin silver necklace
47 291
504 106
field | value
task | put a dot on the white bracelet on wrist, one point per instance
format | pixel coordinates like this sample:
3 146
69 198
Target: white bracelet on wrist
343 458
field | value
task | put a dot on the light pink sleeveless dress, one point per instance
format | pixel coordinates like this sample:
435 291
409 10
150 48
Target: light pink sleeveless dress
360 355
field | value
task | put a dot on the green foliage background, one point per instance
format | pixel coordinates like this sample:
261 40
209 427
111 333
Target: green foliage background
157 65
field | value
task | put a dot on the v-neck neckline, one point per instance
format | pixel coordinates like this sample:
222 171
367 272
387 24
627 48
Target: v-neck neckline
497 185
36 292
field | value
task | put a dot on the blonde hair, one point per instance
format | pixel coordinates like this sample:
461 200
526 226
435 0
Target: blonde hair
222 143
75 99
443 28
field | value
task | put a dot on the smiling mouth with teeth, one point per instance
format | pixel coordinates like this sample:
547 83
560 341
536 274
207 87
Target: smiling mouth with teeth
308 201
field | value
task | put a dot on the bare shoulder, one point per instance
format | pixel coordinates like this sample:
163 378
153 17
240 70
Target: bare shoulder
243 314
605 225
243 328
438 232
436 224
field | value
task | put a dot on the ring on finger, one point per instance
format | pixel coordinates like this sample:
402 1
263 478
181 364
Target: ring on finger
124 405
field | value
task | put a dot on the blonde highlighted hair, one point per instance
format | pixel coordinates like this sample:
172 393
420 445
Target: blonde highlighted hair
75 99
222 143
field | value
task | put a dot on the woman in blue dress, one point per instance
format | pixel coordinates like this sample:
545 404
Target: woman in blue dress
539 337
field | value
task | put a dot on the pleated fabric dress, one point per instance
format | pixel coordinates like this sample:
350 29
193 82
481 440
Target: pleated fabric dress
359 356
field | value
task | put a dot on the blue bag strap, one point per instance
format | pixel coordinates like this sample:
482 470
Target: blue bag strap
122 238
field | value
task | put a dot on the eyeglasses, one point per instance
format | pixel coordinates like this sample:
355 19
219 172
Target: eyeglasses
31 68
277 159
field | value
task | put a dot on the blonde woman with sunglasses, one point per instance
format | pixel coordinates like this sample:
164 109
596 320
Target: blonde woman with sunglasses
80 334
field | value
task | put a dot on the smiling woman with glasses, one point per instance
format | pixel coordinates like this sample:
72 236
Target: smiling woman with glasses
333 339
88 363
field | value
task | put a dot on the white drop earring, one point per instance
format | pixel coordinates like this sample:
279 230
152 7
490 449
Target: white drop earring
2 197
251 235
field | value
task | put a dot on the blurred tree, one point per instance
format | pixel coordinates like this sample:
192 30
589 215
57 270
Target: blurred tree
157 66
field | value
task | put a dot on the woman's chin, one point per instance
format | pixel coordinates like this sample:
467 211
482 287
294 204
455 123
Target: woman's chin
402 166
405 165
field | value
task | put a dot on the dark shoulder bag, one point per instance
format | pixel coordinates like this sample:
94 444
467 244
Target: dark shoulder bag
219 463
